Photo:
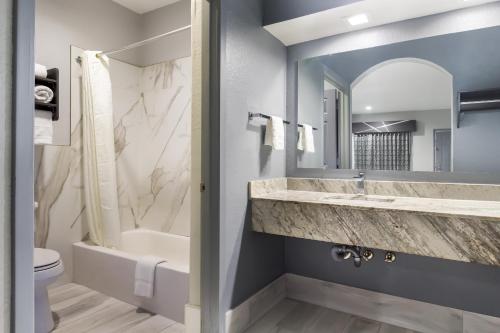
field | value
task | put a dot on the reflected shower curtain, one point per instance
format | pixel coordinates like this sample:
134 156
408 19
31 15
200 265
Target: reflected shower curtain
382 151
99 171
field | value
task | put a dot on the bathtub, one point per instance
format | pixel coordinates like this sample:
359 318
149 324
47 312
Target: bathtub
112 272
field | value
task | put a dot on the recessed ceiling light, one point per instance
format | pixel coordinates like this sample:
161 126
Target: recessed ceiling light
368 108
358 19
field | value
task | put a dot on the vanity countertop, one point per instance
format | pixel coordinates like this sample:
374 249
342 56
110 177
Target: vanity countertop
489 210
429 219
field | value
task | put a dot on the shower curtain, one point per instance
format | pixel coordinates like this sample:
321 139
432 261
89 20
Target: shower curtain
382 151
99 171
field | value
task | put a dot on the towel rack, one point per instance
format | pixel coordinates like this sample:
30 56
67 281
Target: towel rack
51 81
481 100
252 115
314 128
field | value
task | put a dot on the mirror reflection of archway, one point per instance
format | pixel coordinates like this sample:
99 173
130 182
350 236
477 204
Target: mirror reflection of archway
402 117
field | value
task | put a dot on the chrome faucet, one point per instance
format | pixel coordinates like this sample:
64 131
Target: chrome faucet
360 183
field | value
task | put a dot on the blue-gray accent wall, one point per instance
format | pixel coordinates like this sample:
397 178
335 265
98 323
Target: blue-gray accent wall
253 78
282 10
470 58
470 287
258 74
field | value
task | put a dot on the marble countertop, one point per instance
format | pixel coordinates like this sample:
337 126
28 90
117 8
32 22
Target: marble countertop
489 210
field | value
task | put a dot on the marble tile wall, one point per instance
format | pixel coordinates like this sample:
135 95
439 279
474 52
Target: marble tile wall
459 191
152 115
322 185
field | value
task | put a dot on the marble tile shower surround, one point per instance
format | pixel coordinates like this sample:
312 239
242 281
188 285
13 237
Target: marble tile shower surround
152 116
455 229
459 191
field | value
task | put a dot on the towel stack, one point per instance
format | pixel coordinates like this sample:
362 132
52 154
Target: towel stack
40 71
43 94
43 129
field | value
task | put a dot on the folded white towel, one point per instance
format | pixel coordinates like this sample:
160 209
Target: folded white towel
43 131
275 133
40 71
145 275
306 139
43 94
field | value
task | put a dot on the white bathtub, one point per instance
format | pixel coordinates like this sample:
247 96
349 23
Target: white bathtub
111 272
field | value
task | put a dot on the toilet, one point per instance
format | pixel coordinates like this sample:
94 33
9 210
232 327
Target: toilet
48 267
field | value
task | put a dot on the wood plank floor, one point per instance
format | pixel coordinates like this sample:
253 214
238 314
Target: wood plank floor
78 309
291 316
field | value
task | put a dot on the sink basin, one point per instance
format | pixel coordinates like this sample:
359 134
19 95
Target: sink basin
358 197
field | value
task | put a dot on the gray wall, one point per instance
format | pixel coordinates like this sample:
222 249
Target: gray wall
252 79
416 29
471 287
465 286
471 57
282 10
5 158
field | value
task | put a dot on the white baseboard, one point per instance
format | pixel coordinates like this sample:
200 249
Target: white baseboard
410 314
192 321
244 315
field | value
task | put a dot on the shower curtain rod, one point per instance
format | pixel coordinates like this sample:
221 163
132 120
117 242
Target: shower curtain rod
142 42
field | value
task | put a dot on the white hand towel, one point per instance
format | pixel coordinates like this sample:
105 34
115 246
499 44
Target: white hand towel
43 94
300 142
145 275
306 139
43 131
40 71
275 133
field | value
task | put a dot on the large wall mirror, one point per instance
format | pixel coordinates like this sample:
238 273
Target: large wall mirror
429 104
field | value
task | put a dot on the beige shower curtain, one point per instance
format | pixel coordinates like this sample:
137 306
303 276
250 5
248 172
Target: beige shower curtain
99 171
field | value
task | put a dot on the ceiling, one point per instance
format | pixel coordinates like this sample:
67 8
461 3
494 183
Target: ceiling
402 85
144 6
334 21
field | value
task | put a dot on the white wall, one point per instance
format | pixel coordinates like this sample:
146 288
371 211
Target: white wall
5 109
162 20
422 158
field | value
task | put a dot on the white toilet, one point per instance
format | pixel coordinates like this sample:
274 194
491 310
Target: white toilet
48 267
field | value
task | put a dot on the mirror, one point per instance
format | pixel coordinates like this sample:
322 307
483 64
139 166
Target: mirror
419 105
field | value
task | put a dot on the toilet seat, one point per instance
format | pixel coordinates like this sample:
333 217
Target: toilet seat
44 258
46 264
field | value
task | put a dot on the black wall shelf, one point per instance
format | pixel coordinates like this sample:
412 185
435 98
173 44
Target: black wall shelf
481 100
51 81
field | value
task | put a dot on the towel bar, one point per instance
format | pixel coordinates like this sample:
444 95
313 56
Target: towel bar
252 115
